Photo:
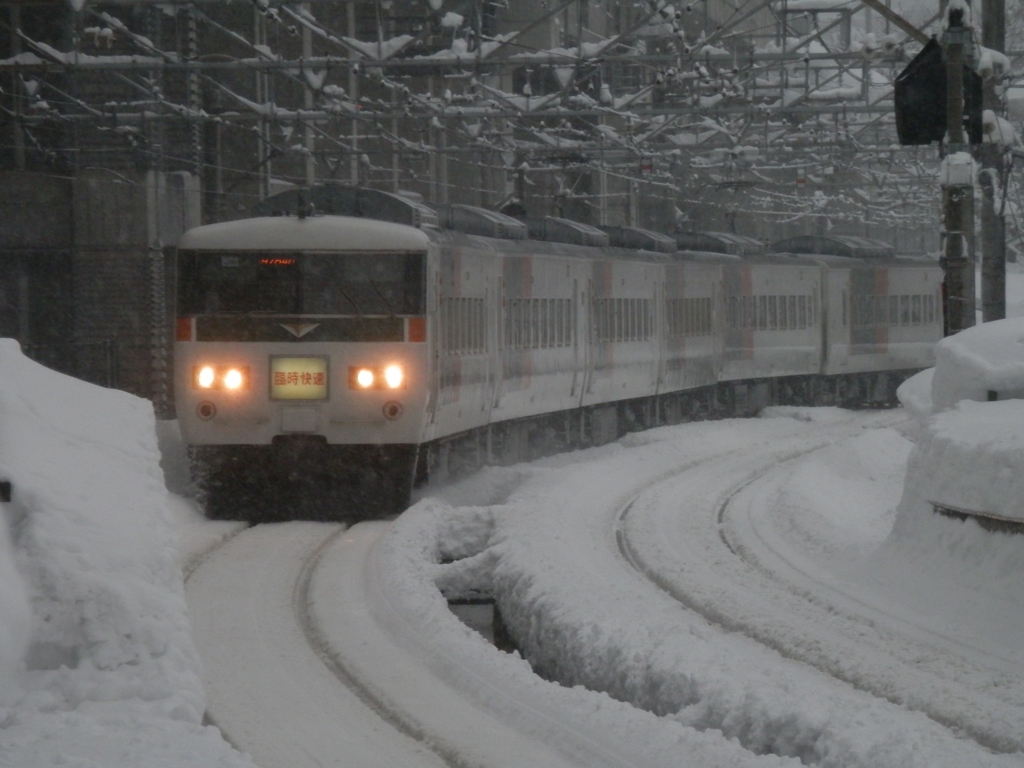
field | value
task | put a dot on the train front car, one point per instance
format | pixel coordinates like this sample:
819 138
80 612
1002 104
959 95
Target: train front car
301 365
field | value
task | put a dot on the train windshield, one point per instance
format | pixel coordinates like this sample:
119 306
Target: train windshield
218 282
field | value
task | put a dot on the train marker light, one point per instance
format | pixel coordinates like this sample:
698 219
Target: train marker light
364 378
393 376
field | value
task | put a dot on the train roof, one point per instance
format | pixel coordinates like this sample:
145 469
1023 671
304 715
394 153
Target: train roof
836 245
314 233
719 242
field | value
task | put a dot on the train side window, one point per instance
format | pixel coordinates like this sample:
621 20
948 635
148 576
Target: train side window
524 323
457 323
552 323
555 319
904 310
534 321
916 309
513 324
461 305
929 308
542 325
773 316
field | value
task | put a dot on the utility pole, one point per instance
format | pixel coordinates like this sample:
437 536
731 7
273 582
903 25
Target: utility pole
990 154
957 181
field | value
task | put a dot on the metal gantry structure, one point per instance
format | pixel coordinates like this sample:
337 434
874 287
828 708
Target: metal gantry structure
764 117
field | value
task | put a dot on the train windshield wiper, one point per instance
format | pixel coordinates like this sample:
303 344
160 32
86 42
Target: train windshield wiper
391 309
359 312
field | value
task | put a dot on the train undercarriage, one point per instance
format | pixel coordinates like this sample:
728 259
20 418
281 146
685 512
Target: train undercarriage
301 477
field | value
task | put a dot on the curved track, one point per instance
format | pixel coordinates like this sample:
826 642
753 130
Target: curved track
728 559
299 672
268 688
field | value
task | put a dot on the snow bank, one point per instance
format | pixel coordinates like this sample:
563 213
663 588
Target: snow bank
970 450
970 364
111 677
436 547
970 458
584 619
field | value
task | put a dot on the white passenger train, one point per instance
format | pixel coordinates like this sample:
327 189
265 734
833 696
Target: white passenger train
325 363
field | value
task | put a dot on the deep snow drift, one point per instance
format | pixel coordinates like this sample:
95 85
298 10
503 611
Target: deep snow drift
97 665
969 410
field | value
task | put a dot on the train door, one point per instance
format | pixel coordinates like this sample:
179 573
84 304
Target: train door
660 334
490 346
585 331
434 337
574 322
498 320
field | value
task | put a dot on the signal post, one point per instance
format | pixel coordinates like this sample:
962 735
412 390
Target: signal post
957 181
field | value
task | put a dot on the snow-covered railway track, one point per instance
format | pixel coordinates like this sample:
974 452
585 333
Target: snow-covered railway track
273 687
308 664
723 560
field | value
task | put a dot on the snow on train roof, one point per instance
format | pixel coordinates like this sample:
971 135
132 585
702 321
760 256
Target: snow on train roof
316 233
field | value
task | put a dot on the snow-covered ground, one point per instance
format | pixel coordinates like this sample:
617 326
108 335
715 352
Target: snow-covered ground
97 663
733 593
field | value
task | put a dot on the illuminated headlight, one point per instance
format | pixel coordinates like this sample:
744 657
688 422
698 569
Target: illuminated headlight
388 377
393 376
206 377
232 378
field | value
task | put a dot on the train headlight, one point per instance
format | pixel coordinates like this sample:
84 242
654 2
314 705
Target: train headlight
393 376
232 378
371 377
206 377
